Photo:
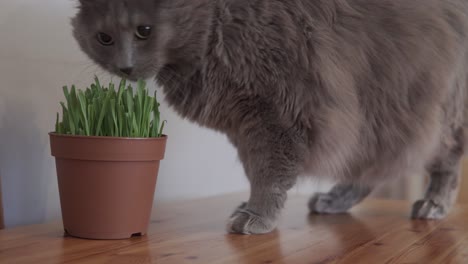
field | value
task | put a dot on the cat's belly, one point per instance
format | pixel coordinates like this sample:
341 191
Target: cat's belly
354 164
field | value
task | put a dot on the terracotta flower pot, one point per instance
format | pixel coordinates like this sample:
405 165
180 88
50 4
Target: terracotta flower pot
106 184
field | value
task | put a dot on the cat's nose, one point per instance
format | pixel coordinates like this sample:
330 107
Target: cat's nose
127 71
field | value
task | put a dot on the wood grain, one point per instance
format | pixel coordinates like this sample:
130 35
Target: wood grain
2 217
193 232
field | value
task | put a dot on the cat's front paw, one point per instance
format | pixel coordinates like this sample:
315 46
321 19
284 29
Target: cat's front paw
247 222
428 209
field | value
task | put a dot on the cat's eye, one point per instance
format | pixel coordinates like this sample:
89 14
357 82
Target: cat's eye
105 39
143 32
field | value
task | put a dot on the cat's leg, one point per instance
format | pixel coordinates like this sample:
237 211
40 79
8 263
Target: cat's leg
339 199
444 180
272 160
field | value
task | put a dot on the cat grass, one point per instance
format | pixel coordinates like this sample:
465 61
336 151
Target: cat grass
110 112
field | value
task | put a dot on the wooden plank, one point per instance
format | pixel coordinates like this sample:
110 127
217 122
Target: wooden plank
2 217
193 232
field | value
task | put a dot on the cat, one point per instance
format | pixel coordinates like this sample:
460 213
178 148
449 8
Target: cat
359 91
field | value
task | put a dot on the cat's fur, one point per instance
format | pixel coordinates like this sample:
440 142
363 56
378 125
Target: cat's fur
358 90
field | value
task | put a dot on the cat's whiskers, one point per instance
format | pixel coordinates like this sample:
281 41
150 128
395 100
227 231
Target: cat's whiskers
86 67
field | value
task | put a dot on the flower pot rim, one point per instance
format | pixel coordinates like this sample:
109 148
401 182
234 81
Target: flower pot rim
162 138
107 148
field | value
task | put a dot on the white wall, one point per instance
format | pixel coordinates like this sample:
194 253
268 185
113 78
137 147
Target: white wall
37 57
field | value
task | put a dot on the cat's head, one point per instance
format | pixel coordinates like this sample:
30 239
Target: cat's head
126 37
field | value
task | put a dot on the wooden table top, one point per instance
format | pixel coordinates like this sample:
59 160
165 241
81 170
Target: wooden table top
193 232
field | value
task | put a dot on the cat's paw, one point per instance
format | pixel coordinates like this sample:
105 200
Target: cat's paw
428 209
324 203
247 222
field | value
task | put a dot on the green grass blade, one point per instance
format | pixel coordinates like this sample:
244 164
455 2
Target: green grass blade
140 100
114 118
84 112
96 81
57 124
74 108
120 119
121 91
135 128
102 115
68 118
162 128
90 118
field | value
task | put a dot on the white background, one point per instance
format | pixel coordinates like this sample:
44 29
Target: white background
37 57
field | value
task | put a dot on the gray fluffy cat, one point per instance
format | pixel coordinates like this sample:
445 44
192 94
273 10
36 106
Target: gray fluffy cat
357 90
